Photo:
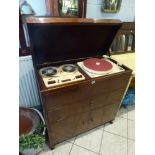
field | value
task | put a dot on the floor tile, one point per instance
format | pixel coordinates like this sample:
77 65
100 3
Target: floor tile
131 129
131 112
113 145
118 127
71 140
60 149
122 112
131 147
81 151
90 140
101 127
46 148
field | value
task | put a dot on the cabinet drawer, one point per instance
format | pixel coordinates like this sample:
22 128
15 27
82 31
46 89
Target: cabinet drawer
67 111
61 130
66 96
102 115
109 112
81 124
115 97
109 84
68 128
95 118
107 98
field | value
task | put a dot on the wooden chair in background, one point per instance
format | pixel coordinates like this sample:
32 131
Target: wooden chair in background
123 48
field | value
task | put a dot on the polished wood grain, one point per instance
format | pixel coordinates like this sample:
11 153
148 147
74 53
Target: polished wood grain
33 19
68 128
106 98
102 115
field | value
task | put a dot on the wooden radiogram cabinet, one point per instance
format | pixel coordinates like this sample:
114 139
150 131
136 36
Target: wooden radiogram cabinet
77 107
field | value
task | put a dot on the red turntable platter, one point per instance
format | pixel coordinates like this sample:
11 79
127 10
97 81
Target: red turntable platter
97 64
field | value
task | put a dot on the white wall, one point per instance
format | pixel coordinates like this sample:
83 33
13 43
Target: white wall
38 6
126 13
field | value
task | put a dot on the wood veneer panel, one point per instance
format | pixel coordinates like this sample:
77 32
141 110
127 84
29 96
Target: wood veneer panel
113 97
67 111
32 19
109 84
99 116
68 128
67 96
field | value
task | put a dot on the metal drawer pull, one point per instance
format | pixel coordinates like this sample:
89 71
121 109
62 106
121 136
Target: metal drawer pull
93 82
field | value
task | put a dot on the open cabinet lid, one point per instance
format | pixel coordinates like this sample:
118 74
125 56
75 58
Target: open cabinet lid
60 39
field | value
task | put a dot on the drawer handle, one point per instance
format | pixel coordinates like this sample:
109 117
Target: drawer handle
83 123
93 82
91 119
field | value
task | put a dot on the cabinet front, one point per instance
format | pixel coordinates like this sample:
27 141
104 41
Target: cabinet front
66 111
109 84
68 128
67 96
74 109
107 98
99 116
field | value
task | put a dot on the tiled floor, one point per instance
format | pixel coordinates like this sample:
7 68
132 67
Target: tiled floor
110 139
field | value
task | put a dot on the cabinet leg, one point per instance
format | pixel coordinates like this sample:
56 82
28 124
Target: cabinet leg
124 106
52 147
111 122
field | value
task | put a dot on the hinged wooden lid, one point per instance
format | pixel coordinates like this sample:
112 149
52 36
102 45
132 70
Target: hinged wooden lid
60 39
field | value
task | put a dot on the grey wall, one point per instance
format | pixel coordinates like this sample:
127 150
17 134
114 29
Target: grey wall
126 13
